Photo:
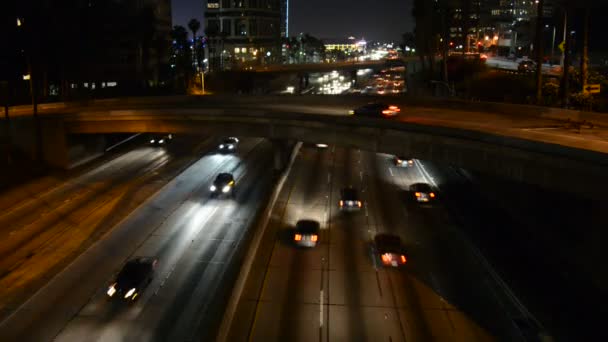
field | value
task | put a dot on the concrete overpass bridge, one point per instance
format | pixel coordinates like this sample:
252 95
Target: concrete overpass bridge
527 144
339 66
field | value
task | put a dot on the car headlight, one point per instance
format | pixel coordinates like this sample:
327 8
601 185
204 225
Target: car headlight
128 294
230 147
351 112
111 290
222 146
161 141
213 188
152 141
226 188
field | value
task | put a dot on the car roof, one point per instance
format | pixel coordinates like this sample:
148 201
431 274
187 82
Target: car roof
134 271
307 226
224 176
388 243
231 140
349 193
420 187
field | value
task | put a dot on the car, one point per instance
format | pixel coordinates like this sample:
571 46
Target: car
376 109
349 200
423 193
223 184
526 66
228 145
160 139
132 279
403 161
389 250
306 233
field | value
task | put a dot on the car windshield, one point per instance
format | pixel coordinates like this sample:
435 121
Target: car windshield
229 141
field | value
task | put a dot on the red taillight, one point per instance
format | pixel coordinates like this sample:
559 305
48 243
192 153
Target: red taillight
341 203
386 112
403 259
394 108
359 204
432 194
297 237
386 258
314 238
418 194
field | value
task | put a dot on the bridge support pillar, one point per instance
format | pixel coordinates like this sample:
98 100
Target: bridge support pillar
281 150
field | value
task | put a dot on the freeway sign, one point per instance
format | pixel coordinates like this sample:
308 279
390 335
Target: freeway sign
592 88
562 46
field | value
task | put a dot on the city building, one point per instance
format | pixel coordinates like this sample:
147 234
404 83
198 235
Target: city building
81 45
350 44
243 33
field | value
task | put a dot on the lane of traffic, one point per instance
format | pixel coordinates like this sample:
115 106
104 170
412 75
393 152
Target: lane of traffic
58 301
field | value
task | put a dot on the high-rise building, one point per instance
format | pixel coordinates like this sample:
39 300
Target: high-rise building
244 32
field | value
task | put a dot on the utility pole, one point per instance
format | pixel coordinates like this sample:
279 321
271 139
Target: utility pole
7 126
566 72
539 52
585 54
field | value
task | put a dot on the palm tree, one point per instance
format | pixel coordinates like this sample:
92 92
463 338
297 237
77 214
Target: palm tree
194 25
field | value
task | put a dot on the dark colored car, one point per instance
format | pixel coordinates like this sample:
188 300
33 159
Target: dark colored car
389 250
228 145
423 193
306 233
376 110
134 277
160 139
526 66
223 184
349 200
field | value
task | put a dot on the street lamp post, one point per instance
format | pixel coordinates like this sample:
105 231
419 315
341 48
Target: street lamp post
553 45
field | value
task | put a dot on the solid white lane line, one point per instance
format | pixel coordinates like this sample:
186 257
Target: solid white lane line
391 171
321 308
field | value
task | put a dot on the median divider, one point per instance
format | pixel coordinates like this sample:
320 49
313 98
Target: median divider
258 233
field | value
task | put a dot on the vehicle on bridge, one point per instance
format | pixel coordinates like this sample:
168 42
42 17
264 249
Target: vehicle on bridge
306 233
376 110
349 200
134 277
228 145
223 185
403 161
423 193
389 250
526 66
160 139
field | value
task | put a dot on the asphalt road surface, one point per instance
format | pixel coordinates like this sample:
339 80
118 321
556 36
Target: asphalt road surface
47 222
336 292
195 239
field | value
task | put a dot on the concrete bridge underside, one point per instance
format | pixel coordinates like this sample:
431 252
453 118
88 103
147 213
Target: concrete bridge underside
546 165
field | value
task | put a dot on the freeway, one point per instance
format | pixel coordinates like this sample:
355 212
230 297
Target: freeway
335 292
46 223
196 239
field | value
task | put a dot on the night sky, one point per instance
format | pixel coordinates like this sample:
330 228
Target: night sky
371 19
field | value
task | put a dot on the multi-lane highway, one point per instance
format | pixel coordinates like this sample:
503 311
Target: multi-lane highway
336 292
195 238
44 224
